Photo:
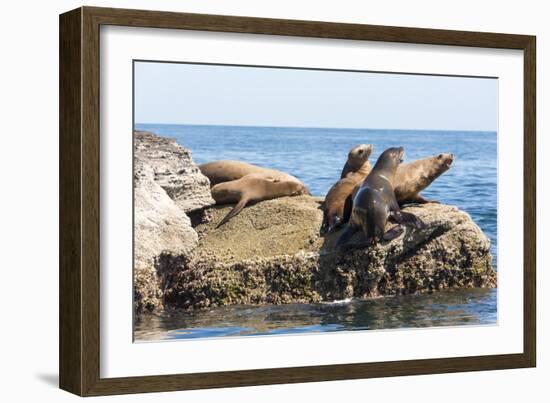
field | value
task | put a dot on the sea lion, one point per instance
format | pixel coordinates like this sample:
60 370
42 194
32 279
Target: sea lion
358 160
413 177
253 188
375 203
338 202
228 170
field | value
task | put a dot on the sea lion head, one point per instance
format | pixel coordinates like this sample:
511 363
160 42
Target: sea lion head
437 165
223 192
297 188
444 161
358 155
390 159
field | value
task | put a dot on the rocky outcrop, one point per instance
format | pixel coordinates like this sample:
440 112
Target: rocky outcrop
272 253
173 170
161 225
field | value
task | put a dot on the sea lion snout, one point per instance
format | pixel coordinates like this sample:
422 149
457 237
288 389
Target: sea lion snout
449 160
369 149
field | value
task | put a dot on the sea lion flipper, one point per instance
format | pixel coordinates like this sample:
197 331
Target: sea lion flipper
330 223
421 200
418 198
393 233
401 217
236 210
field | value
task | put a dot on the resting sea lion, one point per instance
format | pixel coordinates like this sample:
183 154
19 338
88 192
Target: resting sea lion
375 203
413 177
253 188
228 170
358 160
338 202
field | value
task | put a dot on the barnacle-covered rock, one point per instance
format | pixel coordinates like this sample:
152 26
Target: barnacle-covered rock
272 253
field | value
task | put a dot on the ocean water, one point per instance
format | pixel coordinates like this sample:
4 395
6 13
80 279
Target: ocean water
443 308
317 155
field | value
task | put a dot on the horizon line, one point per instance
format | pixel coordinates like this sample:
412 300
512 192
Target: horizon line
317 127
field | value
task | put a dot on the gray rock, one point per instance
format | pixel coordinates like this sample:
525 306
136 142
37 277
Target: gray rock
161 225
174 170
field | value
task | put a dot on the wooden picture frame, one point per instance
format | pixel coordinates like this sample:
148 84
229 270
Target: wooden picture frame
80 199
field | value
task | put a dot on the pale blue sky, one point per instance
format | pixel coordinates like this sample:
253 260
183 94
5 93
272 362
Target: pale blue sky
233 95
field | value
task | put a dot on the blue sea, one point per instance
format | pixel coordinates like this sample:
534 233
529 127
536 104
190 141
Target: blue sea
317 155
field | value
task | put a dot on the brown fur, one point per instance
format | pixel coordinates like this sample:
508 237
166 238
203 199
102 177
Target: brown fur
228 170
338 200
413 177
253 188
